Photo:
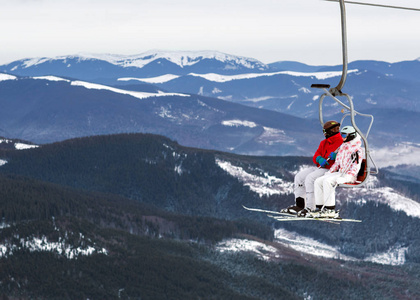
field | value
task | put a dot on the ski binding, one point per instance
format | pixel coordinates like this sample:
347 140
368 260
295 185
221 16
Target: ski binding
279 216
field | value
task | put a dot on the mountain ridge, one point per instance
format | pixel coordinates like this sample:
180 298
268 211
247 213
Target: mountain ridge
151 62
209 183
61 109
182 63
180 58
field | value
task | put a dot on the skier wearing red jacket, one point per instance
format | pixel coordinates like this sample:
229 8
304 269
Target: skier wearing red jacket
304 179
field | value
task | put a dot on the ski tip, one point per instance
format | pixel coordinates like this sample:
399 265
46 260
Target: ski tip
249 208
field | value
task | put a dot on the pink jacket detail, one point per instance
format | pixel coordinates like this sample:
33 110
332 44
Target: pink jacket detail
344 161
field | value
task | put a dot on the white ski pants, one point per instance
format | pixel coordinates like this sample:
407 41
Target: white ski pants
304 184
325 187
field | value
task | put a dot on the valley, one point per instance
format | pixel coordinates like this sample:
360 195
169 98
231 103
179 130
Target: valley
124 177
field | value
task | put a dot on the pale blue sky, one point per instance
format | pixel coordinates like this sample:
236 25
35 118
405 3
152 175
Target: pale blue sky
268 30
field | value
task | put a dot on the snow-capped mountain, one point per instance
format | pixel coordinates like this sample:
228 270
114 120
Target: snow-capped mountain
282 86
181 58
152 63
290 92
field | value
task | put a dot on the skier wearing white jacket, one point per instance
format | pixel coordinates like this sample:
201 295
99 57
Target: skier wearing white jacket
347 164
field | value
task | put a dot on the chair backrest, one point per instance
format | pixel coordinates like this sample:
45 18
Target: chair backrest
361 176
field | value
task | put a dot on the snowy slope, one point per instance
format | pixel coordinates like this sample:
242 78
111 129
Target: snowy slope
89 85
94 86
67 244
385 195
225 78
265 185
11 144
394 256
4 77
140 95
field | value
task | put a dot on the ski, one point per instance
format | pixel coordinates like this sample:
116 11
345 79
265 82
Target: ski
279 216
330 220
327 220
269 211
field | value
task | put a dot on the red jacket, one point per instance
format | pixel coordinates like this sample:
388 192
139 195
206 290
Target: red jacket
326 147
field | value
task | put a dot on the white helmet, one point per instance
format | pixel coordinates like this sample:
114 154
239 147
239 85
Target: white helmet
348 132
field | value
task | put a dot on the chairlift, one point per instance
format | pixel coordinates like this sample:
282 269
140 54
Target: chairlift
348 110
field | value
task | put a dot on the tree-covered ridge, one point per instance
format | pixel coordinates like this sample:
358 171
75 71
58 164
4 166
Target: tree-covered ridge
156 171
148 168
26 200
111 195
155 268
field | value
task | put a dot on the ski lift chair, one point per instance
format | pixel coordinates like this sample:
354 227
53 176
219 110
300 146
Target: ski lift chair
366 168
367 162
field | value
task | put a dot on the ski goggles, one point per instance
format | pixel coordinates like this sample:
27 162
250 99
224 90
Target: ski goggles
345 135
325 130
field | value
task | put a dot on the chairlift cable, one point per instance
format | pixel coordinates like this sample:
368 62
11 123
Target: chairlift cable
337 90
378 5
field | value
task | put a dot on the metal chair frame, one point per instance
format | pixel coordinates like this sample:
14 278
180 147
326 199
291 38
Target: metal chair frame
337 92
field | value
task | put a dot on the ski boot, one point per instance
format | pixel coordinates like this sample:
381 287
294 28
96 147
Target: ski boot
294 209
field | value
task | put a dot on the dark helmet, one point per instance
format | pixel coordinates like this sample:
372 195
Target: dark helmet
331 128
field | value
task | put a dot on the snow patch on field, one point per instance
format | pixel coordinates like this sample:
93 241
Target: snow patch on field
261 250
237 123
4 77
393 256
262 185
42 244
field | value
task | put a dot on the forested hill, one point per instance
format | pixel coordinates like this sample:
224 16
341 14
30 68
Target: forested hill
151 169
63 243
139 216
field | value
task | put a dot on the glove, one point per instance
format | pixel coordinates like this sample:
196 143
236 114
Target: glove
332 155
321 161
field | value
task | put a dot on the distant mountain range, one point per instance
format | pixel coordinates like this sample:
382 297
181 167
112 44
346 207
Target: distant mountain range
157 63
103 66
179 83
48 109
